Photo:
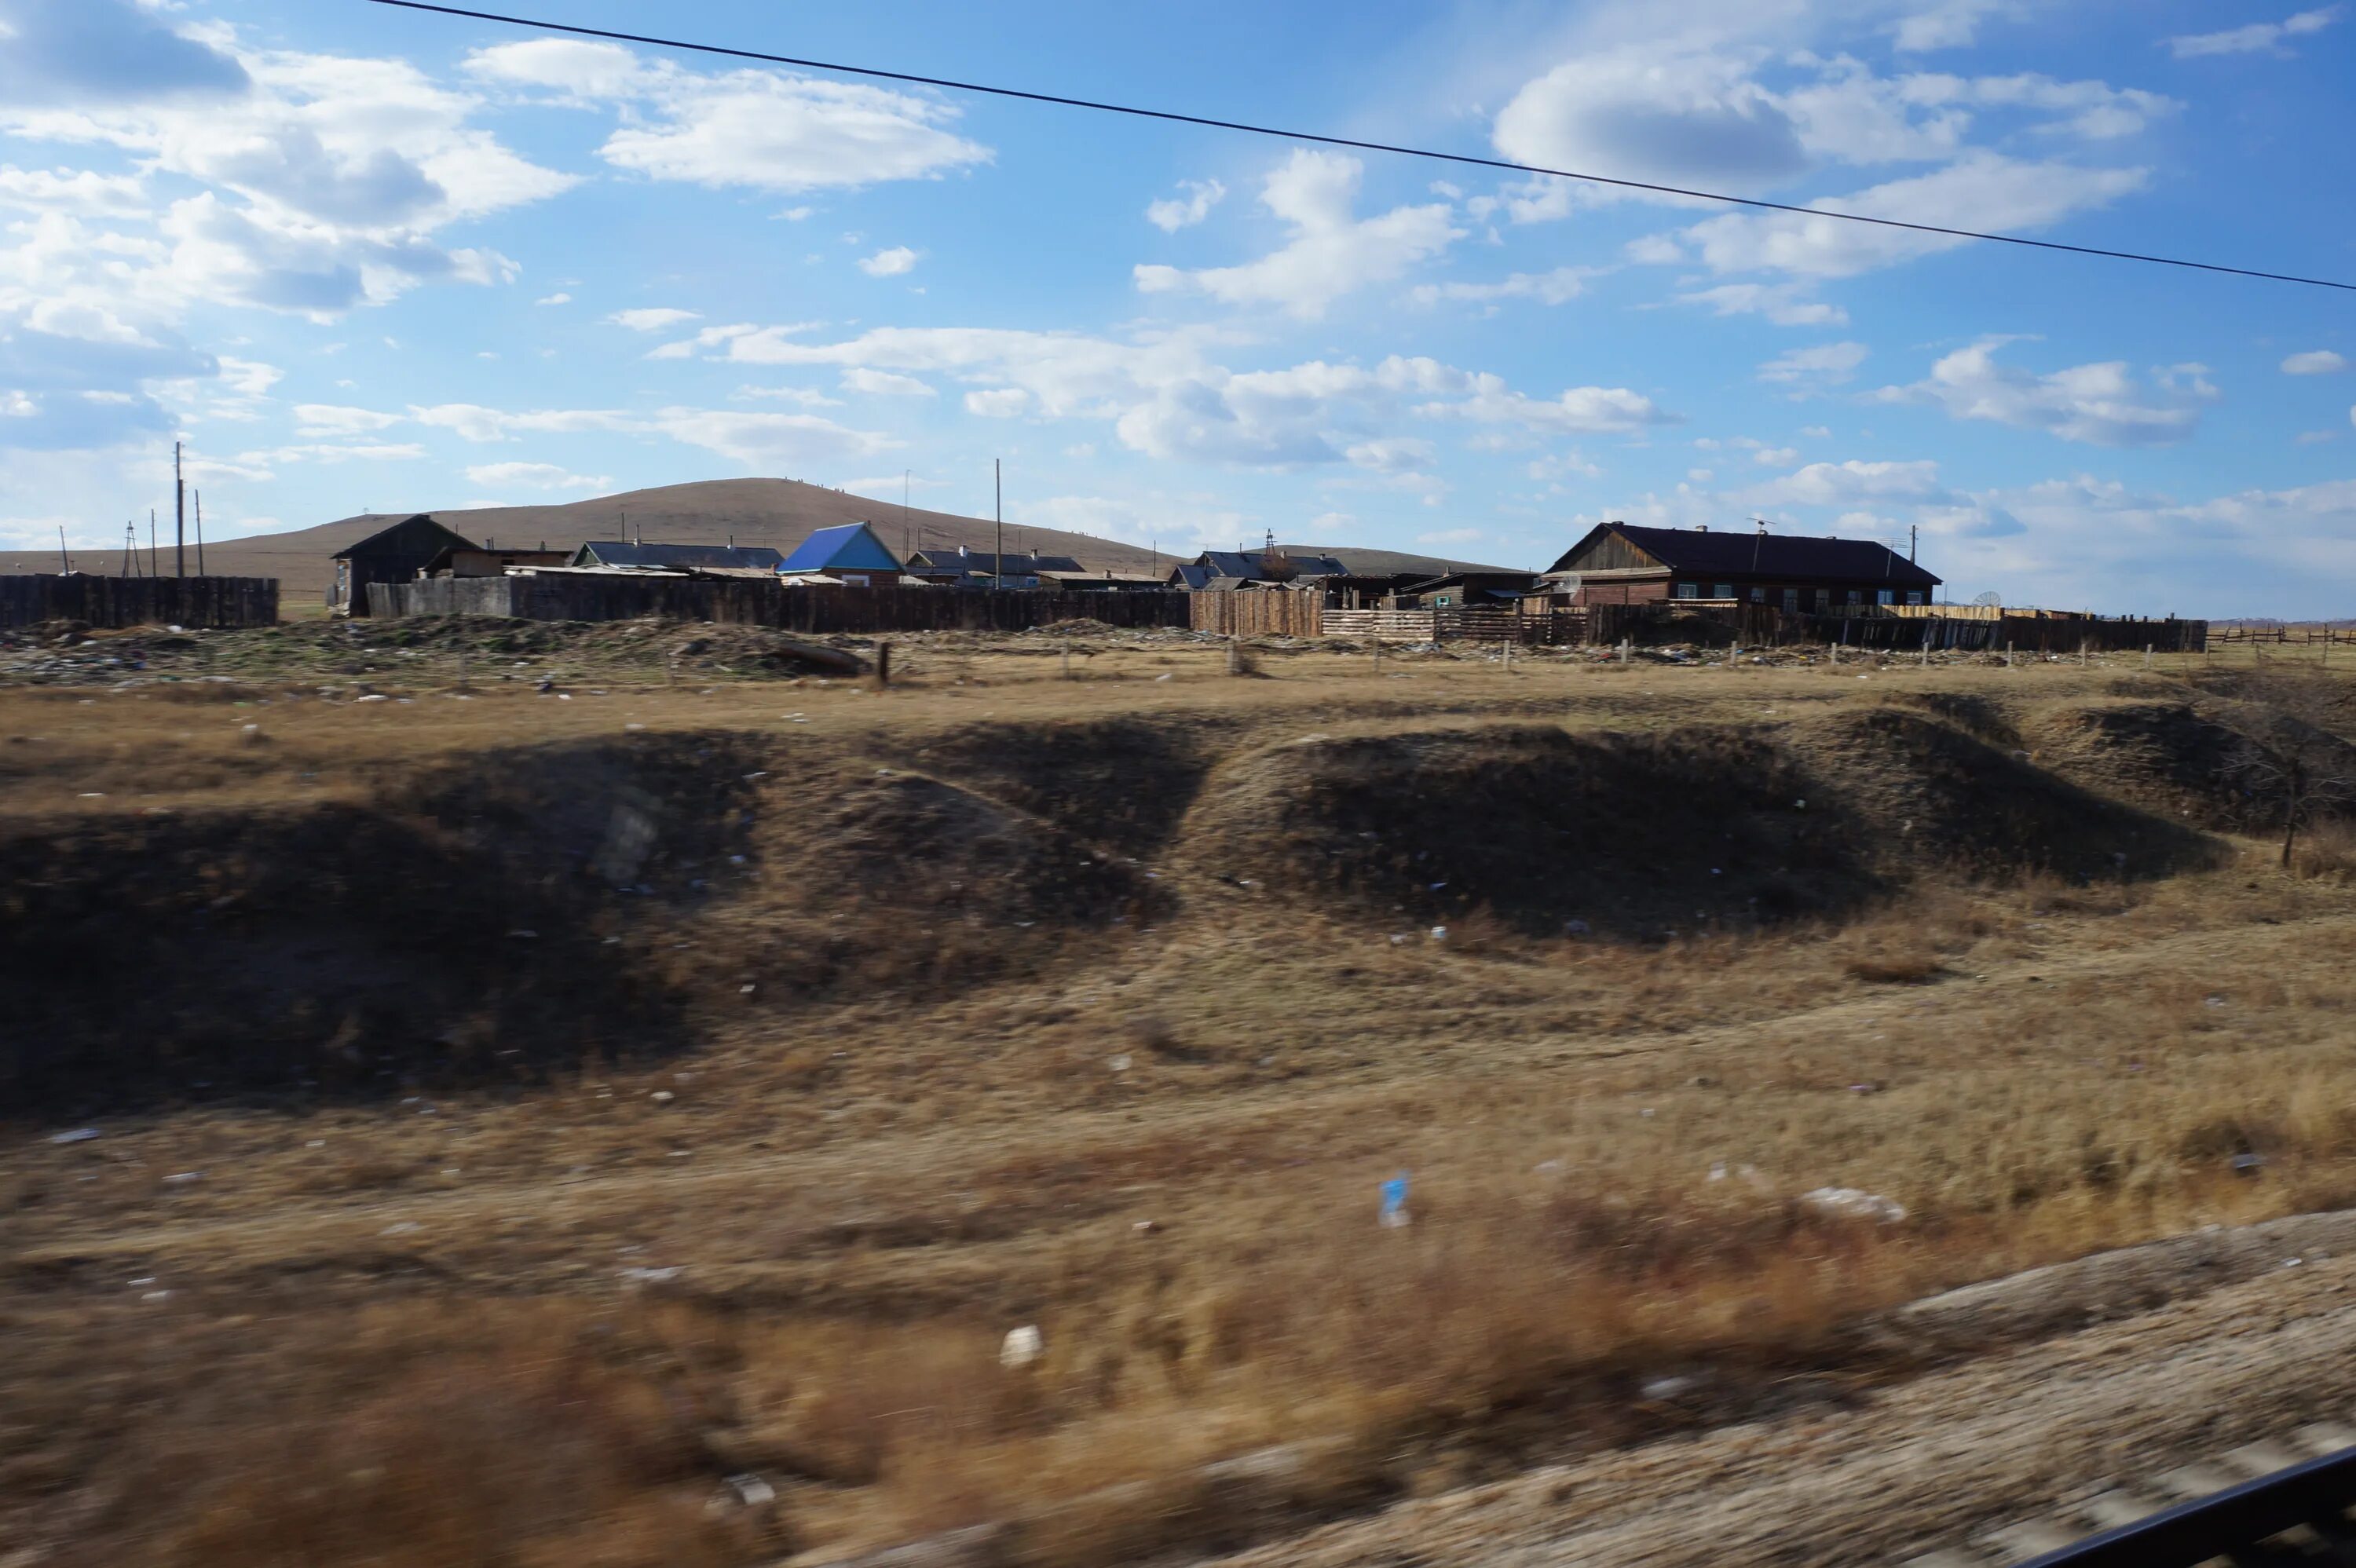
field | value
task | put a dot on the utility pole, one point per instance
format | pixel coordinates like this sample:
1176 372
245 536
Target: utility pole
998 487
65 562
154 565
1913 536
200 533
179 518
905 548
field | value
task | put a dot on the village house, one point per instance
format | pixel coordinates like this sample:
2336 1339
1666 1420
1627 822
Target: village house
1216 571
395 554
1617 564
849 554
676 560
486 560
963 568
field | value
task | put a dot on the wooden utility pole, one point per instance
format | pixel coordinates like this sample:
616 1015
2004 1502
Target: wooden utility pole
179 518
154 566
200 533
998 489
65 562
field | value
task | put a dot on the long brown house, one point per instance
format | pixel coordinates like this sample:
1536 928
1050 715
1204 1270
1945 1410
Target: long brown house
1619 564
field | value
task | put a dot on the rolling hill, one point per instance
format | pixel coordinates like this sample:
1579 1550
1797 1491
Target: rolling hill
778 512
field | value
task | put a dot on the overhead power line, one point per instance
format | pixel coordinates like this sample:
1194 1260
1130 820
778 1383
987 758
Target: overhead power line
1507 165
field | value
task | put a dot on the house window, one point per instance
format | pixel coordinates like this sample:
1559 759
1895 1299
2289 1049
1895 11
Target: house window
1759 596
1792 600
1913 596
855 580
1885 596
1688 590
1725 591
1855 597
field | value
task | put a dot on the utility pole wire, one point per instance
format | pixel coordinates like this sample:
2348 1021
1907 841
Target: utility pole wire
1172 117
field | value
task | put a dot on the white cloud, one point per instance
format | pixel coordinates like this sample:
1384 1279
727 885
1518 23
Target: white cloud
337 452
1691 119
1825 364
2099 404
1777 456
534 476
2315 362
752 438
1392 454
330 420
1850 484
80 191
805 396
555 299
766 130
1953 25
653 320
1997 193
1786 304
2256 38
889 263
1331 253
1554 287
998 402
1172 213
884 383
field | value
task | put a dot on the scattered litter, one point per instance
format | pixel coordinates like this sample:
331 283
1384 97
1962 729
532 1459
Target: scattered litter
373 697
181 1178
652 1276
746 989
2293 1262
1439 934
751 1490
79 1136
1117 1063
1575 928
1021 1347
157 1296
662 1097
1146 1227
400 1228
1161 678
2248 1164
633 726
1800 804
93 794
1854 1203
1669 1388
2212 1001
1399 942
145 1279
1547 1167
1718 1170
1393 1215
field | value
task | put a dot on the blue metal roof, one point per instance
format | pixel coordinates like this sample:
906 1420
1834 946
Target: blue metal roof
849 547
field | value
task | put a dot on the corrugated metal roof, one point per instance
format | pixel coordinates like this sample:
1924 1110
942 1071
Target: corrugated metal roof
984 563
1744 552
847 547
1251 564
675 557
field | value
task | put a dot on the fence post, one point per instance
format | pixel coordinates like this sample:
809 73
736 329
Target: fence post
2147 655
2083 644
1623 653
2008 653
1067 660
1379 654
1234 656
882 666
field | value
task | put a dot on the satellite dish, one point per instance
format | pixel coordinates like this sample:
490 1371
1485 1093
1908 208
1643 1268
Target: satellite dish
1991 600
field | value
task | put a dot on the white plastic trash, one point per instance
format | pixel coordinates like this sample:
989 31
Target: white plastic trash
1022 1347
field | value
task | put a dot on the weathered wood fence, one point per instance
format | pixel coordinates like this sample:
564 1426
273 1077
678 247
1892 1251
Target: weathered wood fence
98 600
1258 613
1719 625
752 602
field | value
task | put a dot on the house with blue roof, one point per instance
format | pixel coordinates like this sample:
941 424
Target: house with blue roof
850 554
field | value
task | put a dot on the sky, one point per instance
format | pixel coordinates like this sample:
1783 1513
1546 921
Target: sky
362 259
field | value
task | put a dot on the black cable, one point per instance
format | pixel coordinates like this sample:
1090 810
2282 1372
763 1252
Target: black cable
1175 118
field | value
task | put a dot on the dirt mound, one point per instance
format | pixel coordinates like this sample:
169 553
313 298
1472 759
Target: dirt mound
2189 759
1124 783
1981 718
1540 827
1936 795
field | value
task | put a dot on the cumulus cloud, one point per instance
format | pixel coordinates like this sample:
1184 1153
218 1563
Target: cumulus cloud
2000 193
651 320
1561 284
889 263
1331 253
884 383
1172 213
2101 404
753 438
534 476
998 402
559 298
1825 364
2315 362
766 130
1786 304
1689 119
2257 37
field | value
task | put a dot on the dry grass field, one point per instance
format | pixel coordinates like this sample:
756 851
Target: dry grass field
520 1110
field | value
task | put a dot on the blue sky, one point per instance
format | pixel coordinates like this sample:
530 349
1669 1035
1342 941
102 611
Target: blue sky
366 259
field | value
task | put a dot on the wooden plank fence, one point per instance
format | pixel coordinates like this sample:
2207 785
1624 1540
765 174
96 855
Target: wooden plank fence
813 609
1391 626
96 600
1257 612
1750 625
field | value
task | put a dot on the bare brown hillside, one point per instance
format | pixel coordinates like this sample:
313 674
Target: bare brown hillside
778 512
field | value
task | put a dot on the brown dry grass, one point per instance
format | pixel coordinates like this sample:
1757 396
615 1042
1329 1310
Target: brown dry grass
535 1321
